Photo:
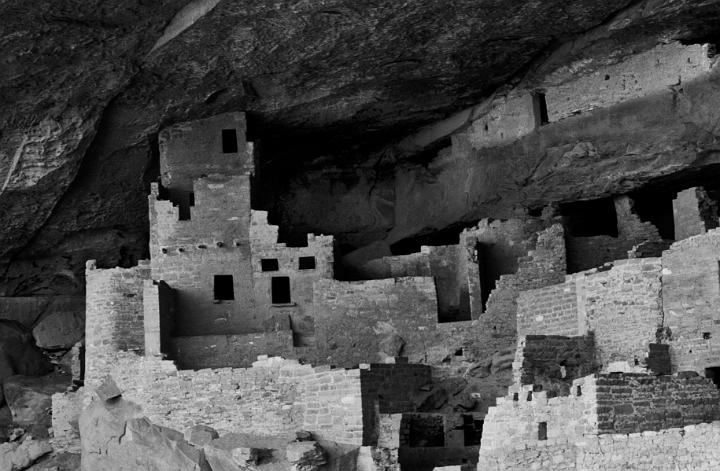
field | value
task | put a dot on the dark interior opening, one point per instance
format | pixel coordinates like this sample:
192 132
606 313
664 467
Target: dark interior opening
713 373
489 273
542 431
422 430
657 208
447 236
590 218
306 263
269 264
540 105
280 290
473 430
223 288
184 200
229 141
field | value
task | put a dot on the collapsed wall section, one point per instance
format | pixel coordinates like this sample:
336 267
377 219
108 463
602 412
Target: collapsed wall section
273 397
114 315
544 265
694 213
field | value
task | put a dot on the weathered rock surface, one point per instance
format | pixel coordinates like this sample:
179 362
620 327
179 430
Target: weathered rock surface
19 355
305 456
115 437
88 87
59 330
29 399
17 456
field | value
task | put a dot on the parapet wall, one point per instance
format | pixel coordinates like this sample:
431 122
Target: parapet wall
629 403
648 451
114 314
273 397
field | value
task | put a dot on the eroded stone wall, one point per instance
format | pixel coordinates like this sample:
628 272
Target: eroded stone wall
273 397
694 213
114 315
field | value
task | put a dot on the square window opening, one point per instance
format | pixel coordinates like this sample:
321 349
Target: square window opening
306 263
229 141
223 288
542 431
280 290
269 264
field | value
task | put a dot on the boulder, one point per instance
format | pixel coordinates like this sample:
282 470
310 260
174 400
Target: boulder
17 456
60 330
30 399
115 437
18 353
201 435
231 452
108 390
305 456
6 423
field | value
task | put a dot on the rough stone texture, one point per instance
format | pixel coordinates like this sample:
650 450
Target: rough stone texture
29 399
635 403
31 310
18 353
339 65
353 317
115 437
17 456
305 456
552 363
66 410
622 305
273 397
691 296
694 213
114 317
60 330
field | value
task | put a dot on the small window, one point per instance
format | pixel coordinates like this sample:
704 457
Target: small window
529 396
515 396
229 141
269 264
541 108
579 391
223 288
306 263
706 336
280 290
542 431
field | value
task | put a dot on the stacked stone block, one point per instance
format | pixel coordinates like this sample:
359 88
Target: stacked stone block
273 397
694 213
114 315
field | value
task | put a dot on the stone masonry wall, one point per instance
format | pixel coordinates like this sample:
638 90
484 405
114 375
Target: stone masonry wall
237 351
691 301
649 72
187 254
388 389
515 420
552 362
694 213
273 397
666 450
353 320
543 266
623 307
114 314
264 245
621 304
507 118
448 264
551 310
584 253
189 150
630 403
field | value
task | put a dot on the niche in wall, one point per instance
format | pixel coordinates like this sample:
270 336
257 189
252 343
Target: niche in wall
223 288
590 218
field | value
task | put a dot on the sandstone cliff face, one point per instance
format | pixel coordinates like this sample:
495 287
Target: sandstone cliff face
86 88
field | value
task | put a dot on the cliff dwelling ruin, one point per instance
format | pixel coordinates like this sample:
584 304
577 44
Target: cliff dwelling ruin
371 236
